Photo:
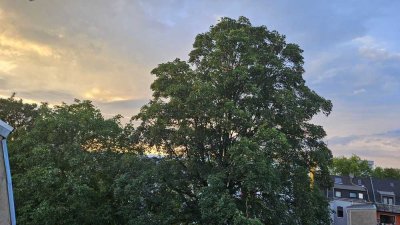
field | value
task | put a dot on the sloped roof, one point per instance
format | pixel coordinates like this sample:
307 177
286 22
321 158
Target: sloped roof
390 193
349 187
384 187
5 129
376 187
362 206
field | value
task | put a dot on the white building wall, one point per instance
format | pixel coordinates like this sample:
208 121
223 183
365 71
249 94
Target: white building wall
339 220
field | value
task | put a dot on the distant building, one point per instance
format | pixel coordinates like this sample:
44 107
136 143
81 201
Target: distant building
371 164
364 201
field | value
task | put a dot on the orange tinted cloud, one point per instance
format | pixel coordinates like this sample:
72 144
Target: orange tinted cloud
26 46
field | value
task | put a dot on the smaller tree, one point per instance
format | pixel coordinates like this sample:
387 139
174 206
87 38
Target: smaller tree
386 173
359 167
66 163
354 165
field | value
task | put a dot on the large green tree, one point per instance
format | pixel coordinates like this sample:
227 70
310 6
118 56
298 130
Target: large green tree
235 122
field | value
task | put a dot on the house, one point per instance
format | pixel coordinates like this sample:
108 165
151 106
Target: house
385 194
7 210
350 203
364 201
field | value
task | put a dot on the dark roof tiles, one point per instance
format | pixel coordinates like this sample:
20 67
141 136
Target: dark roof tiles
376 188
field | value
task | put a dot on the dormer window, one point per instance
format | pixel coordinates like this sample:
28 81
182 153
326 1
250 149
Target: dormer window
387 197
338 180
387 200
360 195
359 182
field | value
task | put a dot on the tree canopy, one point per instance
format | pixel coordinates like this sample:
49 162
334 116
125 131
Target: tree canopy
63 168
359 167
18 114
236 119
353 165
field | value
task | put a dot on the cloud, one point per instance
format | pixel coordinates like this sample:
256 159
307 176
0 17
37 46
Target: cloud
381 147
6 66
2 82
54 58
125 104
126 108
50 96
359 91
373 50
25 46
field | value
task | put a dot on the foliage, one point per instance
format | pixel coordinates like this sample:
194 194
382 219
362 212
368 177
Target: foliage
19 115
142 194
354 165
64 167
235 118
359 167
386 173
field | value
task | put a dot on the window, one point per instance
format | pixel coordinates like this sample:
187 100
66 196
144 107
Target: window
386 219
387 200
338 194
359 182
339 211
338 180
360 195
353 195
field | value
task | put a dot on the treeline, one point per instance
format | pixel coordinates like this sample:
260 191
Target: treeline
70 165
359 167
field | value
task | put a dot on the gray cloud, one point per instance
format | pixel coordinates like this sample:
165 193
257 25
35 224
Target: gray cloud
381 147
50 96
124 104
125 108
3 82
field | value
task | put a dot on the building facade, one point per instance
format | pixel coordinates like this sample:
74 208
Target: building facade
364 201
386 196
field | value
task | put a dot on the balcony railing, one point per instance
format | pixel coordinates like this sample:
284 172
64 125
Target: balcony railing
388 208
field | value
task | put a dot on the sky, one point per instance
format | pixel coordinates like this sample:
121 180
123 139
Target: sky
55 50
